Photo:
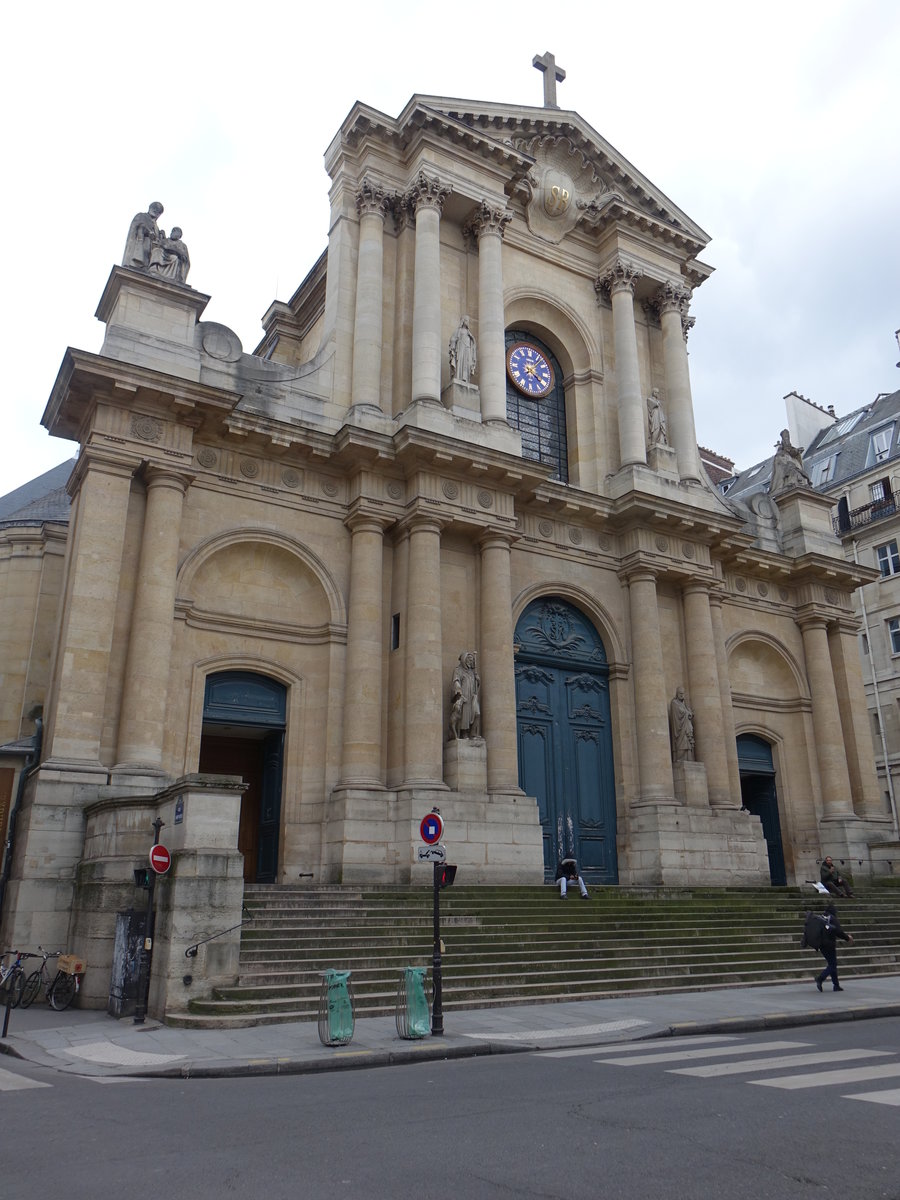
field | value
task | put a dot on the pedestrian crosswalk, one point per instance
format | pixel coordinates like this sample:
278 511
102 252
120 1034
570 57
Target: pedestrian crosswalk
705 1058
12 1081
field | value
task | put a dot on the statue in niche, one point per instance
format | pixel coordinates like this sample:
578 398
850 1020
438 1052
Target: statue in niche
463 355
787 467
657 425
465 704
143 235
169 257
681 728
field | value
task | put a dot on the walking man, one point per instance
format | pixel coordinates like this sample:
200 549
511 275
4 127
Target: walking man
833 931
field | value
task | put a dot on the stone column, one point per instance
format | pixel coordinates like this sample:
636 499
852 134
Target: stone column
728 732
425 199
826 721
651 710
843 643
620 278
706 694
488 225
424 707
364 692
371 204
672 304
145 696
498 680
94 566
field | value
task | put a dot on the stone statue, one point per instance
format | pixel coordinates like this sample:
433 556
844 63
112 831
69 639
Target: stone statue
681 728
787 467
143 234
465 706
657 425
462 353
169 257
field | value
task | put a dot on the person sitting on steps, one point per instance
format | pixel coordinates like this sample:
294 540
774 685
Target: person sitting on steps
567 872
836 884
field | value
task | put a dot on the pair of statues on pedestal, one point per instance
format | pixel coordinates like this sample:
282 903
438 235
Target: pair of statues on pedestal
148 249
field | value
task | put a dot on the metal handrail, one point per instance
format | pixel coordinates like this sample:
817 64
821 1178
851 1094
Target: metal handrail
191 951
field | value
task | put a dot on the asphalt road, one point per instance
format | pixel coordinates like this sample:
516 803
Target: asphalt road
758 1116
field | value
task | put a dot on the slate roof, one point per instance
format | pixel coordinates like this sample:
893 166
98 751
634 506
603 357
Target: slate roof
40 501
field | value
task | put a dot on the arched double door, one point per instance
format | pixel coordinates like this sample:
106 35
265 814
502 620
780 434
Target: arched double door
565 736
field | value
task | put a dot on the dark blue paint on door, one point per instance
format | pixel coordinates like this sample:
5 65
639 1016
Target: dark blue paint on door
758 796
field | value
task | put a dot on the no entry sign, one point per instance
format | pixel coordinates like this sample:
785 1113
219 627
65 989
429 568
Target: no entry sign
160 859
431 829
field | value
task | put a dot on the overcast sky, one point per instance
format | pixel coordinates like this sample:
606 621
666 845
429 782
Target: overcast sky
774 126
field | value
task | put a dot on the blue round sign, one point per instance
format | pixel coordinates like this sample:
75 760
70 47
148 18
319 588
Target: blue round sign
431 829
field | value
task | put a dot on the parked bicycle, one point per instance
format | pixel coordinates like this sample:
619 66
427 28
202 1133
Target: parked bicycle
67 981
39 978
12 978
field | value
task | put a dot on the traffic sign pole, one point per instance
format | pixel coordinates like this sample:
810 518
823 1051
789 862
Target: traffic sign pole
143 991
437 1008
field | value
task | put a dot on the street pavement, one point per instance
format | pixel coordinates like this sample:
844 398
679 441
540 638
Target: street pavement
84 1042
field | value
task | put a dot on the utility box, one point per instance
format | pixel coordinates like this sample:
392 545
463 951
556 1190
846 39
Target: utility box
126 963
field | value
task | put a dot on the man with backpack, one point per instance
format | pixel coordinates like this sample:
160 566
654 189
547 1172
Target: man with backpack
831 932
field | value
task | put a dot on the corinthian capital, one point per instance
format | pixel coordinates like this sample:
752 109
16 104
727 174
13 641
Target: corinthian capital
672 298
426 193
619 276
485 219
372 198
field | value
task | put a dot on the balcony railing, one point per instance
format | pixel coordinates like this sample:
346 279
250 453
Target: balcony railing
876 511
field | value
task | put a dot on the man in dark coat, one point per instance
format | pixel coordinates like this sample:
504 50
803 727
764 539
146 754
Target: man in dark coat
835 882
833 931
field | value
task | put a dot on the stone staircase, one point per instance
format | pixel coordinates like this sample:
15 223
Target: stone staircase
512 945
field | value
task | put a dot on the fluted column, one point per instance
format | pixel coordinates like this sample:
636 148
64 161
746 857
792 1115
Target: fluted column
424 684
672 303
426 200
93 578
728 731
498 681
826 721
488 226
361 759
145 697
706 695
620 278
368 333
651 712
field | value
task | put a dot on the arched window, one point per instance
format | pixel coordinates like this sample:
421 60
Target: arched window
540 418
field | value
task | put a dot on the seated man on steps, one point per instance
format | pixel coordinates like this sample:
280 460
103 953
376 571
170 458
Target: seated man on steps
836 884
567 872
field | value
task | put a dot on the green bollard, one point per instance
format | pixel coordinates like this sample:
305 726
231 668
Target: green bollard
336 1020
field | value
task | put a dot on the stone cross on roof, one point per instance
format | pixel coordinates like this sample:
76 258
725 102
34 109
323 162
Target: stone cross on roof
552 75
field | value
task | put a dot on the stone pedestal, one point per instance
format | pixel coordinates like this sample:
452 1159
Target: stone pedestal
805 518
678 847
663 460
690 784
465 765
463 400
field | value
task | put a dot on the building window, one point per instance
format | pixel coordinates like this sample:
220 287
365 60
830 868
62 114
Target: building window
888 559
865 643
823 472
540 421
880 445
395 631
894 632
876 491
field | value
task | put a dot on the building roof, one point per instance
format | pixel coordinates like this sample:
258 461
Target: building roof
41 500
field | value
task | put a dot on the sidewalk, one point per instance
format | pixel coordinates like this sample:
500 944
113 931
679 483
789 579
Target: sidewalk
92 1043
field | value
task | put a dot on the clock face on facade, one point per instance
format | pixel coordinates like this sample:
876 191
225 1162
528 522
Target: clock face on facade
529 369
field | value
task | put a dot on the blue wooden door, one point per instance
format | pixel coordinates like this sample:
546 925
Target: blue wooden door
759 796
564 736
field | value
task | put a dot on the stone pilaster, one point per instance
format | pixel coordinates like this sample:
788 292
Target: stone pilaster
97 537
651 712
361 760
425 199
843 643
498 681
424 693
145 697
488 225
672 304
705 692
826 716
372 203
620 278
728 731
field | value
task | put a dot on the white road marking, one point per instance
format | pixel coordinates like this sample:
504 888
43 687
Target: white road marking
711 1052
561 1031
712 1070
635 1047
889 1097
10 1082
821 1078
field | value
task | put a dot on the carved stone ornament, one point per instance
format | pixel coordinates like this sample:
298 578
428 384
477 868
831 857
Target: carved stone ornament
485 499
290 478
575 536
249 468
545 528
450 489
670 297
831 596
485 220
604 542
220 342
148 429
372 198
330 488
426 193
564 186
619 275
395 490
207 457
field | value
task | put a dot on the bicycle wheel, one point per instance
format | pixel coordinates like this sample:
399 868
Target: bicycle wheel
31 988
12 988
62 991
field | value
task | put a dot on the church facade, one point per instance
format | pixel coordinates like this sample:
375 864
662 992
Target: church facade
444 539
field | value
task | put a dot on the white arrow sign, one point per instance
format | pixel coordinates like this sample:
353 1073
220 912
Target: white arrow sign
433 854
